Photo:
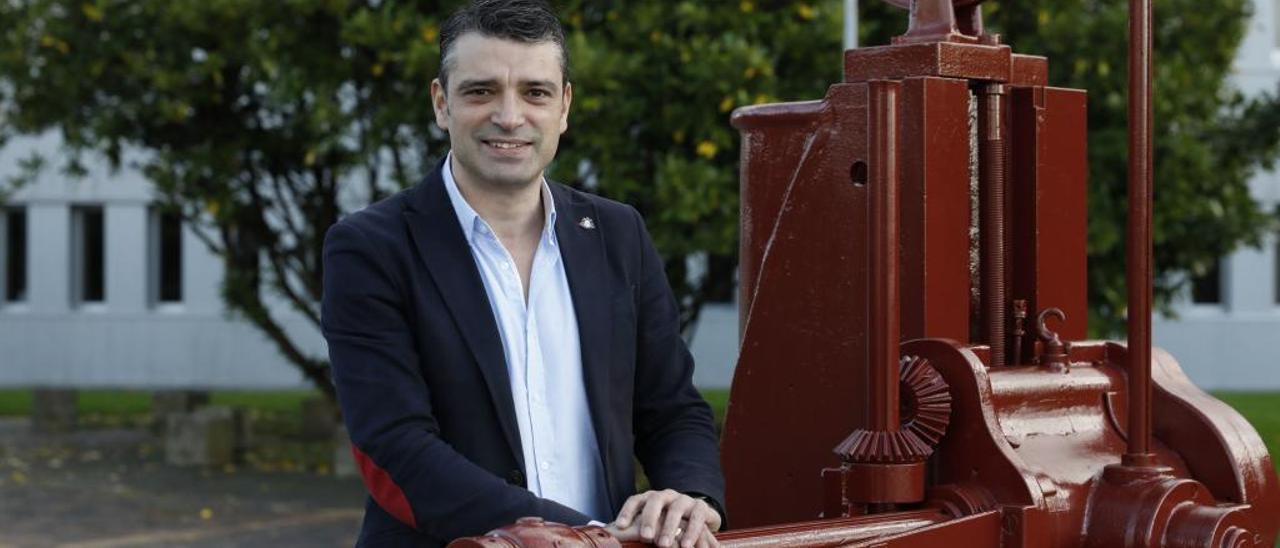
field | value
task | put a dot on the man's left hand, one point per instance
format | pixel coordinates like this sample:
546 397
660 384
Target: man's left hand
667 517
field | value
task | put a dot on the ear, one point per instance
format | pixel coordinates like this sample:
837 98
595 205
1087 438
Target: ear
439 103
568 100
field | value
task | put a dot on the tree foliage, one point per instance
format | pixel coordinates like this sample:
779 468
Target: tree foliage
264 122
255 120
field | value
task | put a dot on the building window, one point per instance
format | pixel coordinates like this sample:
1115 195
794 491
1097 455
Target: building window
1207 288
88 254
166 257
15 255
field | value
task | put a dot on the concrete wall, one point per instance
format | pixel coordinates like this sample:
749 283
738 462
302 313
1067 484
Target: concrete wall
126 340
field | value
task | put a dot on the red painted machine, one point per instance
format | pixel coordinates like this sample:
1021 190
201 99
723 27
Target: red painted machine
937 196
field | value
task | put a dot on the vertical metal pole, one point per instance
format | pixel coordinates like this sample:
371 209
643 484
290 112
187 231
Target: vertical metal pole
1139 245
992 151
850 24
882 298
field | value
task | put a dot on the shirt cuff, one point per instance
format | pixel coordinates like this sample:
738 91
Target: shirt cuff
714 504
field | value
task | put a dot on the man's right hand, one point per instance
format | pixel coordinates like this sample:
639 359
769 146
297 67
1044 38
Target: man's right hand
666 518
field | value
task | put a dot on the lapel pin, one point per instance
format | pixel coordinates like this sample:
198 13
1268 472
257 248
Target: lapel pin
587 223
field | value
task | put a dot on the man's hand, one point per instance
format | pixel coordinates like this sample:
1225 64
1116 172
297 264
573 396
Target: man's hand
665 518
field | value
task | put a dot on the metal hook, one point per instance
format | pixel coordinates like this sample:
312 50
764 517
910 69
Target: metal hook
1042 320
1055 352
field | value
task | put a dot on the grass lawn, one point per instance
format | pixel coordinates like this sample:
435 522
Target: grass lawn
108 402
278 409
719 400
1262 410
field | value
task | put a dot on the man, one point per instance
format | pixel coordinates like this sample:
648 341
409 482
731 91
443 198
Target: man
504 346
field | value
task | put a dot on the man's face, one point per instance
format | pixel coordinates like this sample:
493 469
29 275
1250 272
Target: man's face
504 110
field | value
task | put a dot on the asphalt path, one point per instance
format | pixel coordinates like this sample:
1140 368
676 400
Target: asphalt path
110 488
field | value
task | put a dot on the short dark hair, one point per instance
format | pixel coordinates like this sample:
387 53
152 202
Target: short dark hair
528 21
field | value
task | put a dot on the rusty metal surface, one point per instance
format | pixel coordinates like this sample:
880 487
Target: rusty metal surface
882 258
1049 205
940 20
996 63
882 463
1138 246
935 232
834 532
1029 70
942 59
1039 439
810 267
536 533
992 182
1221 449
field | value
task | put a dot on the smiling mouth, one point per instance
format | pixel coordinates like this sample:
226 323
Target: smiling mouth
506 145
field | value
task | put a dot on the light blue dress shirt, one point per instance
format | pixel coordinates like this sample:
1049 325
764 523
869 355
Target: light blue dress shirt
544 360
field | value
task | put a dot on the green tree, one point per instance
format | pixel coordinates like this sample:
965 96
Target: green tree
655 83
264 122
254 119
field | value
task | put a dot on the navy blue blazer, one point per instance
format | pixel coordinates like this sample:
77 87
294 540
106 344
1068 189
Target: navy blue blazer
422 379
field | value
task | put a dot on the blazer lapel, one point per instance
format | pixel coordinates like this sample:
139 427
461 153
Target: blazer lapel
447 255
582 249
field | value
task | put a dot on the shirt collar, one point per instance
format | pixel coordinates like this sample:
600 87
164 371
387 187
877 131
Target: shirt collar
472 222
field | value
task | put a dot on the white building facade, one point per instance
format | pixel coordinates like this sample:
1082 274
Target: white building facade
101 290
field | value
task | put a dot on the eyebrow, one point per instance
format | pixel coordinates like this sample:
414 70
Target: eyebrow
492 82
540 83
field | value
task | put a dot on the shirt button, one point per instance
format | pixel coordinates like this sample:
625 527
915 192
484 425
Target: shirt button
545 465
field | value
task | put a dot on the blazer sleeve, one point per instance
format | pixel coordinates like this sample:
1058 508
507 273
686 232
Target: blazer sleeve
675 433
409 470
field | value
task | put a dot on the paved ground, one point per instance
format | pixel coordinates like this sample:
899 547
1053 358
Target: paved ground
109 487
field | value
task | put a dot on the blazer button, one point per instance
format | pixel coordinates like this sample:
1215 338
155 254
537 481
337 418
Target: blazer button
516 477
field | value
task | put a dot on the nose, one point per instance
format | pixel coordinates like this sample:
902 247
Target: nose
509 113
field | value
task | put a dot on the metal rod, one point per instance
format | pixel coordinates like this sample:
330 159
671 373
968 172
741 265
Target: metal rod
1139 246
1019 330
842 531
850 24
882 298
991 184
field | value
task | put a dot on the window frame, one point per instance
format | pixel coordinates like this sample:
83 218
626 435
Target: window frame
1275 249
6 248
156 218
1221 302
79 256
